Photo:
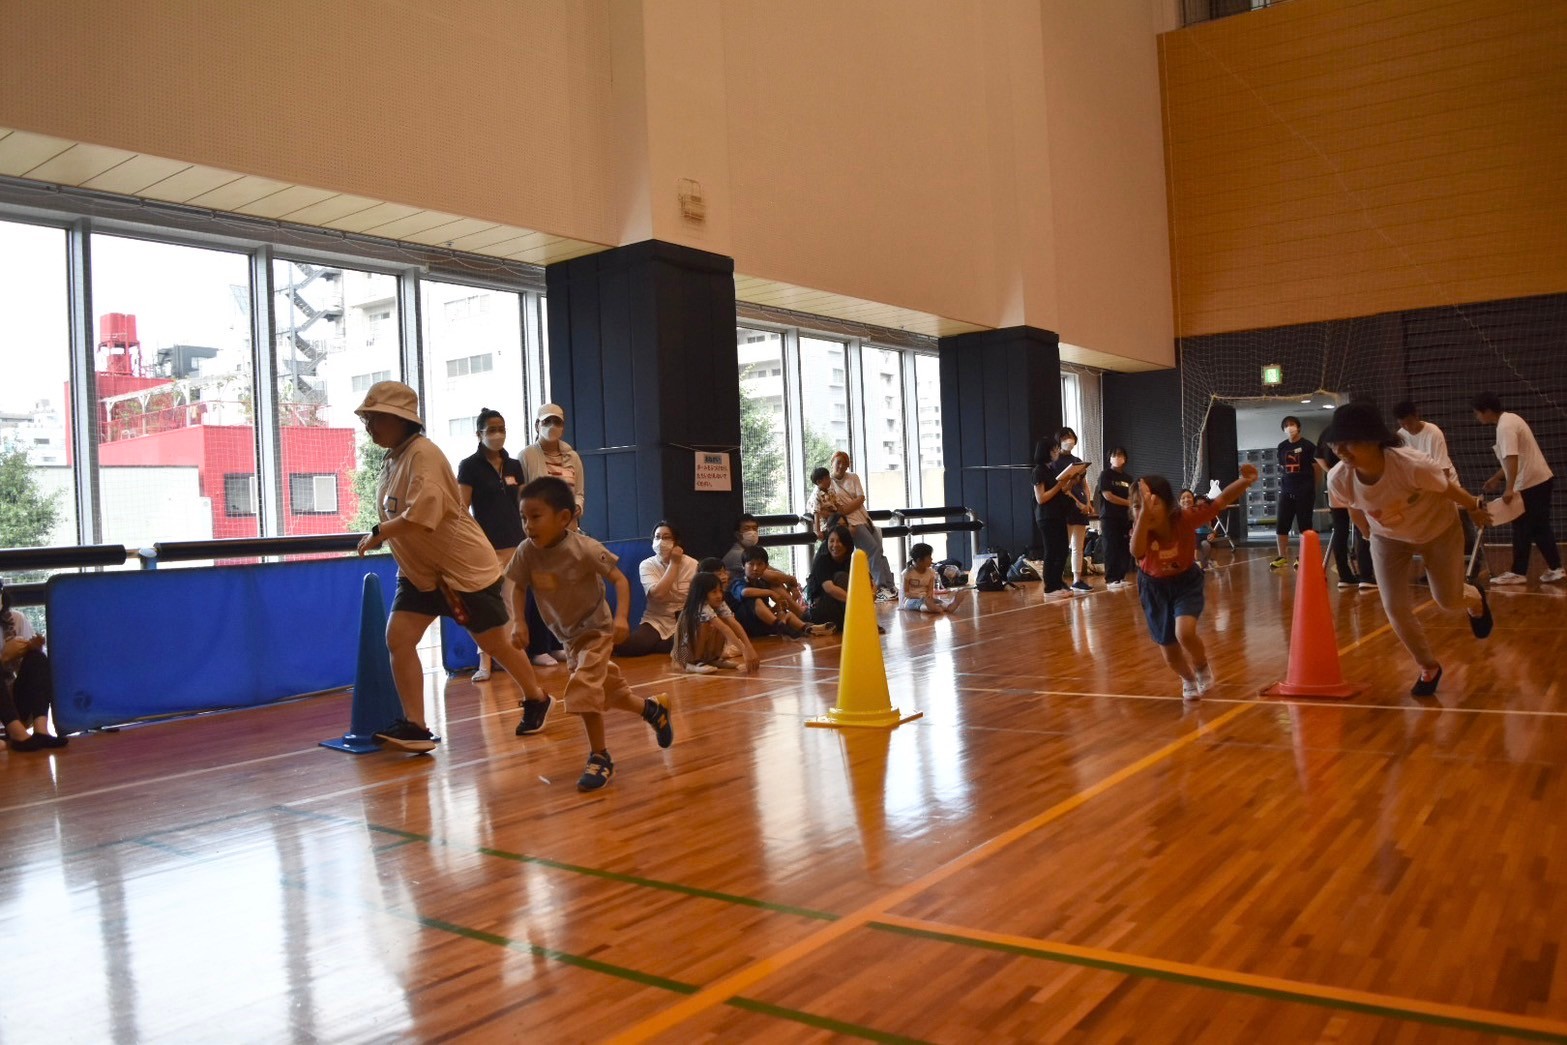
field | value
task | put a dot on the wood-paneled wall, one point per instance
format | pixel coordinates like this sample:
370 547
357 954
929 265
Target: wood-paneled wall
1336 158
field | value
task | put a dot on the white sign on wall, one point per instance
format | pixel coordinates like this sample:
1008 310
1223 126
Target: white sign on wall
712 471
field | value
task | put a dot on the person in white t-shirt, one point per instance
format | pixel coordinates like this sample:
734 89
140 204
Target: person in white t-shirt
848 495
1420 434
1403 500
1523 473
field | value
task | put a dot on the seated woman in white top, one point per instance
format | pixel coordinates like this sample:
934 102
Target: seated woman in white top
666 577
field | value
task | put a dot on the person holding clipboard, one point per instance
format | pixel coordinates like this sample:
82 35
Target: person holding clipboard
1054 475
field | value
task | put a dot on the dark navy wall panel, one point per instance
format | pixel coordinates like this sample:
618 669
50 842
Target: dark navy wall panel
649 339
1000 391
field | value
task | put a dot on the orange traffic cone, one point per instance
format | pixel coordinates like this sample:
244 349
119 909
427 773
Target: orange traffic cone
1314 669
863 699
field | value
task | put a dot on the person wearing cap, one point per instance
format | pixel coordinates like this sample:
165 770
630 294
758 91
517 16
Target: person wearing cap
26 683
1402 500
550 456
445 565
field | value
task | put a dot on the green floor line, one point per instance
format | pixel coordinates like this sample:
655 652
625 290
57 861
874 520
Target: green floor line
558 865
1216 983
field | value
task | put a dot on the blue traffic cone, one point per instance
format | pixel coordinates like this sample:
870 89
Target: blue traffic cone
376 704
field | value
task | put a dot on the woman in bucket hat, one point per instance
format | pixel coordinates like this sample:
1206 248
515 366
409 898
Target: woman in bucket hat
445 565
1402 500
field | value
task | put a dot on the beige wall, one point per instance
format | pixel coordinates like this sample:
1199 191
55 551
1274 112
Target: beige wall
992 161
1330 159
490 109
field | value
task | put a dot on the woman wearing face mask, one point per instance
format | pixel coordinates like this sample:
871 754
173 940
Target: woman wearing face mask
849 499
1077 511
487 483
666 577
551 455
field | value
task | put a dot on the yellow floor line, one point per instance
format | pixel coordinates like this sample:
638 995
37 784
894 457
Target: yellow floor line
1343 996
734 984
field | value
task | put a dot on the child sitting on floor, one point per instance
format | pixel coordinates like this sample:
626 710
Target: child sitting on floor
922 586
708 637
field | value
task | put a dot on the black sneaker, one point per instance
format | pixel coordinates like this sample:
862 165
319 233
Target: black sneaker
1425 687
656 714
599 769
409 737
1482 624
534 712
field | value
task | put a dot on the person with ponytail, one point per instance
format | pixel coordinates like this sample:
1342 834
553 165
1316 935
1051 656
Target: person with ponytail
707 636
26 683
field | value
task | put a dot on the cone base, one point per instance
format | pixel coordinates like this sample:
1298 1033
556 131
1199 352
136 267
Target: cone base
354 743
889 719
1339 691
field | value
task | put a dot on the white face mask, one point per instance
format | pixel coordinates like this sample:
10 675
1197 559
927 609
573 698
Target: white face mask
1291 431
662 548
552 433
1069 445
748 538
496 441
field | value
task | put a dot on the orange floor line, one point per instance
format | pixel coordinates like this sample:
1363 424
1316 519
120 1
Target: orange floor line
1343 996
732 985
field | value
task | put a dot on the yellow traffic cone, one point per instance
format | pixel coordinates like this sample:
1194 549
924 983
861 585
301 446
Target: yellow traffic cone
862 677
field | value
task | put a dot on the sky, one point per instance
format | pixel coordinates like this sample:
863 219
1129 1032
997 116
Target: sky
179 295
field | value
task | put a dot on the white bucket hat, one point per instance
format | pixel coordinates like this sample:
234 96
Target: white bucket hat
391 397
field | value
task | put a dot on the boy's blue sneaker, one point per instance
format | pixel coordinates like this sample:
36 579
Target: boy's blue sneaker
534 712
599 769
656 714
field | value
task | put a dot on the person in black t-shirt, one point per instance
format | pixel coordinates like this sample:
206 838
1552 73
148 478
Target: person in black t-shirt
488 483
1297 487
1115 518
1054 474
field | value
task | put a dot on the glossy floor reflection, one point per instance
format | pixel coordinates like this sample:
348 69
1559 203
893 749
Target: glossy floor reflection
1058 850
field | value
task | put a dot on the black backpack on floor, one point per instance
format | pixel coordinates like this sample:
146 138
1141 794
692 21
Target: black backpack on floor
1023 571
989 577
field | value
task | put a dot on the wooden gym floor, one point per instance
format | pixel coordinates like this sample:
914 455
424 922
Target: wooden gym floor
1058 851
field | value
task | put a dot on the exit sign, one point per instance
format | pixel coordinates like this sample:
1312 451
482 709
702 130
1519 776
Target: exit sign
1273 374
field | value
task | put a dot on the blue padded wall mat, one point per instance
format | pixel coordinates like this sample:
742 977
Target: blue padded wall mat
138 644
460 653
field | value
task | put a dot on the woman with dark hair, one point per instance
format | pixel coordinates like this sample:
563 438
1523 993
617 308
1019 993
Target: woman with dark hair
1078 509
666 578
26 682
1402 500
487 483
1053 476
827 587
707 634
1169 581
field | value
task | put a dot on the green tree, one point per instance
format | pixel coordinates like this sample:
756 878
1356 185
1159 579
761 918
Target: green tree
366 477
762 470
27 514
818 450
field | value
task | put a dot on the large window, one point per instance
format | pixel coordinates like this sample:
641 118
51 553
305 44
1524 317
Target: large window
335 336
175 403
767 474
804 396
195 431
824 395
473 350
36 485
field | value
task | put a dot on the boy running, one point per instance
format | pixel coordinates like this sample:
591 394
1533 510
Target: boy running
566 570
